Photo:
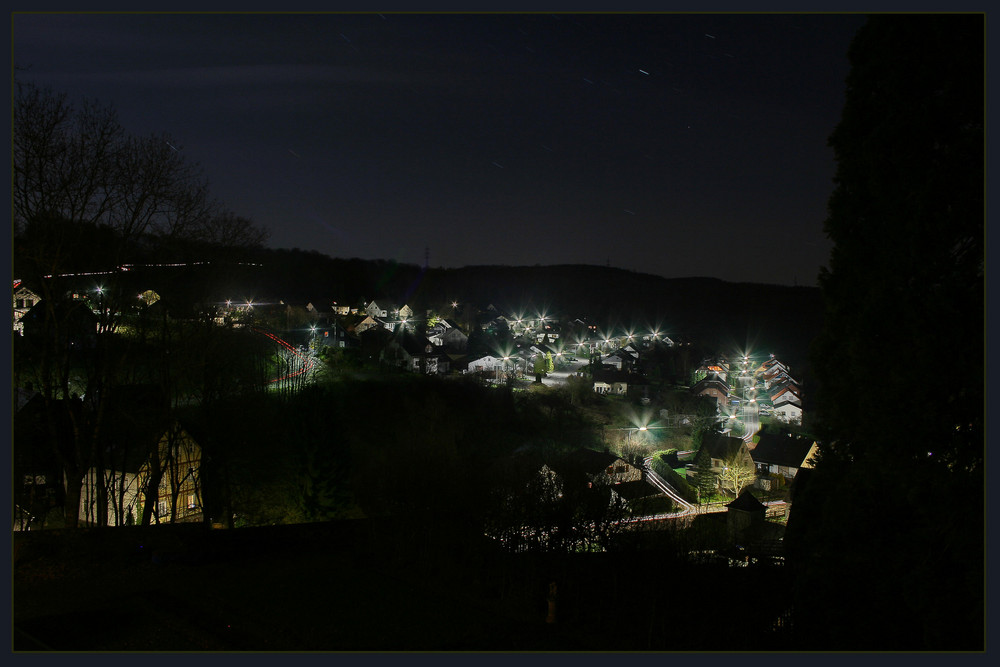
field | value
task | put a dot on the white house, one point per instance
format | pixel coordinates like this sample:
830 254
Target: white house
485 363
788 412
613 360
24 299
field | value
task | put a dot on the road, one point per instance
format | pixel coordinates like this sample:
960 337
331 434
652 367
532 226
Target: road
559 377
661 484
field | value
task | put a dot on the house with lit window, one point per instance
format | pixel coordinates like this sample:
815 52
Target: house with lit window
712 387
787 392
382 309
610 381
718 450
24 299
782 454
788 411
413 352
147 457
172 465
485 363
448 336
369 322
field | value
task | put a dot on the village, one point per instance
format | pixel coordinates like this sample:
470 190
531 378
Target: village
731 461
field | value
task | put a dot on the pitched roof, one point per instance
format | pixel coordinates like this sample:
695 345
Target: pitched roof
746 502
414 344
789 393
781 450
720 446
710 382
610 375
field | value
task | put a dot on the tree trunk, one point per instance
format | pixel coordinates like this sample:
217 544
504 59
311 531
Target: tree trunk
71 508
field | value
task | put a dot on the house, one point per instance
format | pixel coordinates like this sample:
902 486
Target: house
747 525
145 452
414 353
448 336
486 363
777 377
382 309
788 411
781 454
611 382
771 365
597 468
369 322
24 299
718 451
77 324
787 392
663 338
38 430
334 335
174 459
616 361
635 491
712 387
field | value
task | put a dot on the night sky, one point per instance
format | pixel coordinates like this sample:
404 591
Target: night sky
673 144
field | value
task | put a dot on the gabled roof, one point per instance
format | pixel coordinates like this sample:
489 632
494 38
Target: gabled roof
414 344
781 450
746 502
790 394
383 304
710 381
719 446
611 375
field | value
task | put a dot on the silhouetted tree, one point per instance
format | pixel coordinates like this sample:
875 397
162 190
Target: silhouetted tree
88 197
886 534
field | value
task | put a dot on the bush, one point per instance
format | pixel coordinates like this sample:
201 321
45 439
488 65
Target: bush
653 505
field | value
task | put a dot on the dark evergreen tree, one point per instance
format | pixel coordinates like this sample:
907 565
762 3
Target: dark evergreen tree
886 534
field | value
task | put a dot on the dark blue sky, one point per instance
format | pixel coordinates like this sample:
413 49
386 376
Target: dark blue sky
673 144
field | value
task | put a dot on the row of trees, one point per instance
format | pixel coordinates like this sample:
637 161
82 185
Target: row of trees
90 199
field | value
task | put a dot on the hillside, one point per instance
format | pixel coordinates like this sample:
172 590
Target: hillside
777 319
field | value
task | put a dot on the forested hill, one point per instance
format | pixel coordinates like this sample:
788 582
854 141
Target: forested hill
772 318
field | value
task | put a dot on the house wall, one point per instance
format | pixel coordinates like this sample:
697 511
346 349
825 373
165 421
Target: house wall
181 471
788 413
24 299
180 461
127 485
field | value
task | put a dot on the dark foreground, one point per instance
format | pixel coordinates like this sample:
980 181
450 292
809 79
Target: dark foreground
366 586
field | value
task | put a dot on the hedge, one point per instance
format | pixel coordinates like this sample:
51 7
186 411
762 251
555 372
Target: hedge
661 465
